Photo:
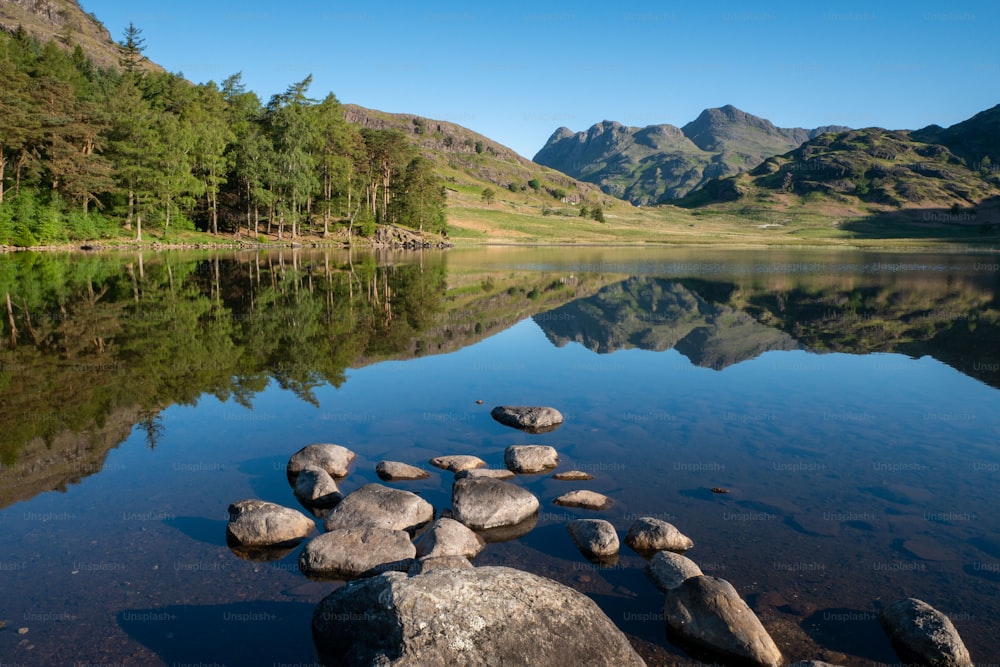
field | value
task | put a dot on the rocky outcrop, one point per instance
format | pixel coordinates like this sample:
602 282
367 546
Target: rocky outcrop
528 418
483 503
260 523
382 507
345 553
709 612
524 459
923 635
466 617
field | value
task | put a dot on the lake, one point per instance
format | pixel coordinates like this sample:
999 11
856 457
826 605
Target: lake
847 401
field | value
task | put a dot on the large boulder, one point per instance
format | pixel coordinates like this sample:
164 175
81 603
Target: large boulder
334 459
382 507
595 538
923 635
482 503
464 618
669 570
345 553
529 419
530 458
257 523
648 534
447 537
708 611
315 488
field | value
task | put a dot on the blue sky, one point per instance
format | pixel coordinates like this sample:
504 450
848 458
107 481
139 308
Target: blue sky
515 71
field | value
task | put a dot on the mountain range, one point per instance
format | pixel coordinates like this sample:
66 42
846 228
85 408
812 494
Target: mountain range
661 163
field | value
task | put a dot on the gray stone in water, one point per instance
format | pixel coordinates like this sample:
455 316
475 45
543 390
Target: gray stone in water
708 611
334 459
464 618
586 499
257 523
482 503
393 471
485 472
529 419
595 538
315 487
573 476
649 534
458 462
431 563
447 537
668 570
345 553
530 458
922 634
382 507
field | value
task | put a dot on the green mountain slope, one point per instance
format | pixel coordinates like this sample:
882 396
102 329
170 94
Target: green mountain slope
974 139
660 163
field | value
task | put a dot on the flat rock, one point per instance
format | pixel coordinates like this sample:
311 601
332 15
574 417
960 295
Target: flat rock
334 459
482 503
668 570
447 537
708 611
585 499
530 458
485 472
257 523
382 507
464 618
923 635
648 534
314 487
346 553
394 471
431 563
573 476
458 462
595 538
529 419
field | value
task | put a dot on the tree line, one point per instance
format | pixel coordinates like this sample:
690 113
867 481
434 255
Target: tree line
89 152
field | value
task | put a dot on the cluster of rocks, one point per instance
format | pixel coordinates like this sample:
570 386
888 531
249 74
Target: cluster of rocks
414 597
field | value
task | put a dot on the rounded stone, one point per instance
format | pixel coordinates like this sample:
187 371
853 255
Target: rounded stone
530 458
256 523
334 459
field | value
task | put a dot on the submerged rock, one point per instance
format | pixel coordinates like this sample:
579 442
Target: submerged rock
709 612
334 459
382 507
573 476
447 537
485 472
482 503
457 462
585 499
346 553
668 570
530 419
466 617
530 458
595 538
922 634
394 471
256 523
315 488
648 534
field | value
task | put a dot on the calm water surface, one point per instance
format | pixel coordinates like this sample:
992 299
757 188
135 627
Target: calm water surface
848 401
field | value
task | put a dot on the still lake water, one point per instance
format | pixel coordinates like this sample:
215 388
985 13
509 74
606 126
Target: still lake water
847 400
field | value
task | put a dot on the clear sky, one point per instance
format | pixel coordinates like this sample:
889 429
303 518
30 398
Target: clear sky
517 70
